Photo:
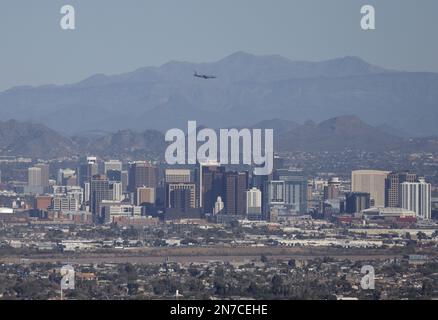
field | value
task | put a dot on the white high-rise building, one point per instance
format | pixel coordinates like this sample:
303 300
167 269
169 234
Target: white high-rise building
34 177
416 196
86 191
117 191
218 206
253 201
44 173
372 182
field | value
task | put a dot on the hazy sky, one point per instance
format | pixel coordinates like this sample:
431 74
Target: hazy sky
115 36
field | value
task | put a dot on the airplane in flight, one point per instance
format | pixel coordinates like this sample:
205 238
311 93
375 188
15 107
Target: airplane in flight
203 76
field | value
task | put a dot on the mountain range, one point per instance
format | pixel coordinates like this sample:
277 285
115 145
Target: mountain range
249 89
335 134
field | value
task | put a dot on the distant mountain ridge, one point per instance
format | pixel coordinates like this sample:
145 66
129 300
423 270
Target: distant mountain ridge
248 89
336 134
36 140
345 132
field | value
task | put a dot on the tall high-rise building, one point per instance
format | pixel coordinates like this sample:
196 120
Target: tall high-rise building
142 174
393 189
114 175
116 189
114 165
191 190
290 186
44 174
125 180
87 192
67 177
218 206
372 182
236 185
279 163
276 193
181 199
179 179
34 177
416 196
355 202
99 191
211 183
145 195
87 170
262 183
253 202
331 191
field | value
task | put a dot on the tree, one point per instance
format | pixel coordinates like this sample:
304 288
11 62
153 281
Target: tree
421 235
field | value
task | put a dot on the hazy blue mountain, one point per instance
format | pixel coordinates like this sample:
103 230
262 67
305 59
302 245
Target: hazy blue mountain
33 140
336 134
279 126
344 132
249 89
126 144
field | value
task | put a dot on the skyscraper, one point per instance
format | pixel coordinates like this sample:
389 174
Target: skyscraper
393 189
142 174
66 177
276 194
87 169
254 202
125 180
179 179
236 185
114 175
44 174
416 196
211 182
372 182
116 190
145 195
218 206
115 165
331 191
181 199
355 202
295 189
191 190
99 191
34 177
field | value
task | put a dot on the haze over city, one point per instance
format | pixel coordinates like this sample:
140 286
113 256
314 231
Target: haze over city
218 150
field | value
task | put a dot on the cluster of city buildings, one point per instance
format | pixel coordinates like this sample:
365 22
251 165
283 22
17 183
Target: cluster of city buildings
140 192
